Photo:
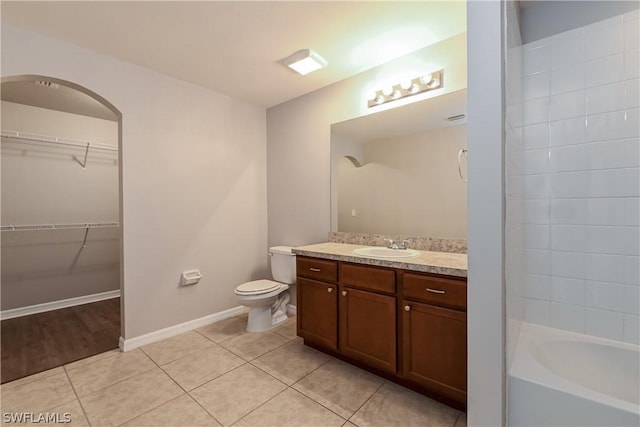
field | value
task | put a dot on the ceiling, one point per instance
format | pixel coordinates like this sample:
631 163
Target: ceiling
234 47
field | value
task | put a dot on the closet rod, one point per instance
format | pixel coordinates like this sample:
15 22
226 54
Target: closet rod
35 227
55 140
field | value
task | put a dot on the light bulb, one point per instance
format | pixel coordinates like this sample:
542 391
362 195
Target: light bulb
426 79
387 90
379 99
396 94
371 95
405 84
414 88
434 83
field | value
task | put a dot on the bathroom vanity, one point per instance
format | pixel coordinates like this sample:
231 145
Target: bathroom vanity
402 318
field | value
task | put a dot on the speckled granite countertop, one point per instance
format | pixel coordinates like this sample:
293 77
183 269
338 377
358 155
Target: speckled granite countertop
450 264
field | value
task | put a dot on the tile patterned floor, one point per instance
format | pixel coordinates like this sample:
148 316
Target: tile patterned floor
221 375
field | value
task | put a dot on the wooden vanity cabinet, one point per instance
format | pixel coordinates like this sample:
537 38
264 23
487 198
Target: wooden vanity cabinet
434 334
408 326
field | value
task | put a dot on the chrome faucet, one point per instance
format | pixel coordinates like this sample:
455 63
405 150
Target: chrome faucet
392 244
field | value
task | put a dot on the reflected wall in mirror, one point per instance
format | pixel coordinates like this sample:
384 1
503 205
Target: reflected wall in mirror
396 172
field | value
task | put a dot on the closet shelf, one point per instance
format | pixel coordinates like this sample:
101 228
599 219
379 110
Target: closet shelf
32 137
36 227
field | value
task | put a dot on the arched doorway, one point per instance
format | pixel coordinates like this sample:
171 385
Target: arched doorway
62 289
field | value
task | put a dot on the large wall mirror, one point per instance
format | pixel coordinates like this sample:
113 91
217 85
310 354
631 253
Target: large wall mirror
398 171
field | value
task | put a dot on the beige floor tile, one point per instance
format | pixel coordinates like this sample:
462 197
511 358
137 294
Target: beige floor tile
291 408
462 420
252 344
349 424
103 372
92 359
39 395
200 367
31 378
341 387
183 411
290 362
288 329
233 395
176 347
394 405
130 398
225 329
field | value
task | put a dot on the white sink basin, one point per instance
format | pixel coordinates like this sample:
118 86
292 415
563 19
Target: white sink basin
382 252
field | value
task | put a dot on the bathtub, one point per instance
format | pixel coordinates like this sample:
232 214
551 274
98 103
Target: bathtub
561 378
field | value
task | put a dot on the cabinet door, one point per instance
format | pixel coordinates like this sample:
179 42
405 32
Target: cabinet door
317 315
435 348
368 328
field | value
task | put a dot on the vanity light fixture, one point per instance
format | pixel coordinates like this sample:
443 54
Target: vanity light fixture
406 88
305 61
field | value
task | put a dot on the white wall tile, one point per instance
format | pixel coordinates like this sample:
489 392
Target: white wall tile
605 268
567 132
537 261
634 15
536 186
632 270
622 153
631 35
609 182
631 66
632 89
567 105
570 158
604 41
536 85
536 58
602 99
571 184
608 240
608 69
632 211
535 136
537 212
632 182
567 290
606 126
603 323
632 299
535 111
568 264
606 211
632 123
566 316
536 236
567 48
569 211
631 240
632 328
605 296
536 286
536 311
536 161
569 238
567 78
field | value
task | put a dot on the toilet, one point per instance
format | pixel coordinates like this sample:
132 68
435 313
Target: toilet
267 299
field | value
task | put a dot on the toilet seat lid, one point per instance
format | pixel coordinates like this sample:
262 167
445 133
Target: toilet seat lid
257 287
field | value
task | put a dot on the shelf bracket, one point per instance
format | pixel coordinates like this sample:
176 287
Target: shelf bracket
84 241
86 154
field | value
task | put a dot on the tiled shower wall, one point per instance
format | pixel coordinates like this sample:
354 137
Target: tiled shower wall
572 181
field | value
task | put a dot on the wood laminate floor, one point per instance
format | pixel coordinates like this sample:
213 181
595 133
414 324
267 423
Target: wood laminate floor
42 341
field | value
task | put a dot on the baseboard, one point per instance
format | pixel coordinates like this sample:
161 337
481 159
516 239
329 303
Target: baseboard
292 310
159 335
55 305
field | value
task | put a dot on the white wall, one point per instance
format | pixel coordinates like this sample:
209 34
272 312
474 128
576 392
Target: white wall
193 180
298 139
578 179
408 185
43 184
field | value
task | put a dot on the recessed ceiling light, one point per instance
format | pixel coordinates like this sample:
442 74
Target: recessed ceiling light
305 61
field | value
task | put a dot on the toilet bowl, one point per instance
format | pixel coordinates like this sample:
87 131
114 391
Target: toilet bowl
268 299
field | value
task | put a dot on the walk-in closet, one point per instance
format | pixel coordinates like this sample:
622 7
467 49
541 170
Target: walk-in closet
60 238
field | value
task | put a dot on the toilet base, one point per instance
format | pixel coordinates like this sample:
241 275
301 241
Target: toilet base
261 319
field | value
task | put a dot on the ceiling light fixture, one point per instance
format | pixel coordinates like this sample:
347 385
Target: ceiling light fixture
305 61
406 88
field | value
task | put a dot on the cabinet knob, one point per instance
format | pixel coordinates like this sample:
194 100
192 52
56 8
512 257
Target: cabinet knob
407 308
329 289
344 293
315 270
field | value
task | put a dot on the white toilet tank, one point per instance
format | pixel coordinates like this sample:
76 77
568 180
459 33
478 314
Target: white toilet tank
283 264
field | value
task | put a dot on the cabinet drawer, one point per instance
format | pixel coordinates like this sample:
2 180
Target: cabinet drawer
435 290
319 269
371 278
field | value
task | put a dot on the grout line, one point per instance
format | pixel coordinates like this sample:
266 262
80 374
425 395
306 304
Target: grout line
367 400
76 394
